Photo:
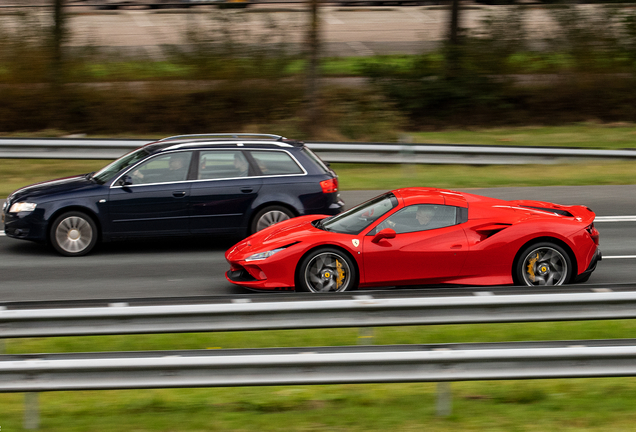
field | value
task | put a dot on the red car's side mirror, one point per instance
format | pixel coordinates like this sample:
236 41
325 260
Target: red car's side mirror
386 233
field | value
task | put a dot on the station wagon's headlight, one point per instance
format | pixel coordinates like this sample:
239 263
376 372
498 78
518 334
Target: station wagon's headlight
22 207
262 255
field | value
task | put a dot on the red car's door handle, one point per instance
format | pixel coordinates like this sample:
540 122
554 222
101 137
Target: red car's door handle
456 246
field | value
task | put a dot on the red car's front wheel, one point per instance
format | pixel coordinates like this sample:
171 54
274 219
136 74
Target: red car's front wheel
326 270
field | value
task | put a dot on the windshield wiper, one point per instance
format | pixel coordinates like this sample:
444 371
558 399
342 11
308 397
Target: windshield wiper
91 177
320 224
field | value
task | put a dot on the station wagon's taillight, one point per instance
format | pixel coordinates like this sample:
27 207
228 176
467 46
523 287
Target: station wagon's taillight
329 186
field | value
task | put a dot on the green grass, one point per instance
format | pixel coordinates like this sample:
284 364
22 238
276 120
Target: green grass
385 177
539 405
584 135
18 173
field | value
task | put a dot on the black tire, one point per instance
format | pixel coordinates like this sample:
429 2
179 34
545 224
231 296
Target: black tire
73 234
326 270
543 263
269 216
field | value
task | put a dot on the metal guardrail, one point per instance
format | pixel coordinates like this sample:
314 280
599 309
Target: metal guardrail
323 312
81 148
324 365
308 366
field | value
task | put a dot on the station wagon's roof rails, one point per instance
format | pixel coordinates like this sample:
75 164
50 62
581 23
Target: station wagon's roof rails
225 135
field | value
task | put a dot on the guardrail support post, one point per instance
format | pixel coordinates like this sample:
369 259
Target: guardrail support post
31 411
444 399
408 156
365 336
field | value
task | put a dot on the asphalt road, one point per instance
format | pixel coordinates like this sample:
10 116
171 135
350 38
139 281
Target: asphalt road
179 267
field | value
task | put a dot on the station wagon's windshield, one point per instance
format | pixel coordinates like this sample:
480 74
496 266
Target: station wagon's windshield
358 218
110 170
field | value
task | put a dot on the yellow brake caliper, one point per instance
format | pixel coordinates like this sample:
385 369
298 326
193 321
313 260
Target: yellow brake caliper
341 274
531 267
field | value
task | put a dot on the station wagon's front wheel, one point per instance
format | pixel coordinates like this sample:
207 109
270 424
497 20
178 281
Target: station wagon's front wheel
73 234
269 216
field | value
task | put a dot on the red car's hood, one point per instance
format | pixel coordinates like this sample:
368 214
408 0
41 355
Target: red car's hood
278 235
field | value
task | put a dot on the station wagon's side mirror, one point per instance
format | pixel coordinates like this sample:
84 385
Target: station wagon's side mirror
125 181
386 233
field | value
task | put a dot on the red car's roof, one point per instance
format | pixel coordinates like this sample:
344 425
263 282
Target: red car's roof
425 195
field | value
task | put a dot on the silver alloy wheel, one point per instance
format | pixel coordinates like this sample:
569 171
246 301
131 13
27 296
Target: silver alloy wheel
270 218
544 266
327 272
74 234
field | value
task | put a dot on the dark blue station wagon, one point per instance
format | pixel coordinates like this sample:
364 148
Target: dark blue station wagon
233 184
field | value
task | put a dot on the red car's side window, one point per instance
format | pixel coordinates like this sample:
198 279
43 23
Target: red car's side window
421 217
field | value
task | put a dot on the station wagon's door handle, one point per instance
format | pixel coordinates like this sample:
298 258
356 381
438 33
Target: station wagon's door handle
247 189
178 194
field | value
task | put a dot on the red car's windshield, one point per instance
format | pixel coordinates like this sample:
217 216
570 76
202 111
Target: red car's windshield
358 218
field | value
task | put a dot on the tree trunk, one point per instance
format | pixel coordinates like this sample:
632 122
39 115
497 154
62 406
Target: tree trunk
313 59
59 31
452 51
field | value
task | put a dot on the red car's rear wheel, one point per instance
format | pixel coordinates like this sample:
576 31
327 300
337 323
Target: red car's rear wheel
326 270
544 264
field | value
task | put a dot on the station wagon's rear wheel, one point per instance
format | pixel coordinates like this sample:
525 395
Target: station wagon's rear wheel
269 216
326 270
544 264
73 234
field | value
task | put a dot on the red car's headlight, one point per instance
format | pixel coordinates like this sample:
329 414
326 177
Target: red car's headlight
263 255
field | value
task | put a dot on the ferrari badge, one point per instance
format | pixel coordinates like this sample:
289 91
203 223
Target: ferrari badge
355 242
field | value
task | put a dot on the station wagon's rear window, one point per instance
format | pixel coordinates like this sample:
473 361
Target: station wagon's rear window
276 163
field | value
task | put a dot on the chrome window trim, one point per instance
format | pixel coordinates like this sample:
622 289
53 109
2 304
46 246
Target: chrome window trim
114 182
113 185
247 178
304 171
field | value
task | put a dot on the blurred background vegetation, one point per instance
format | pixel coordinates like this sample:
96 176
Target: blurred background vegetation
501 73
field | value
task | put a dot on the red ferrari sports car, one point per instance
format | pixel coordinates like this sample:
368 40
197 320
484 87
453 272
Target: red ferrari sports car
416 236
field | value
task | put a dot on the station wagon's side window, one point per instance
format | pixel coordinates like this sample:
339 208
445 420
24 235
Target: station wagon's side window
276 163
420 218
221 164
171 167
